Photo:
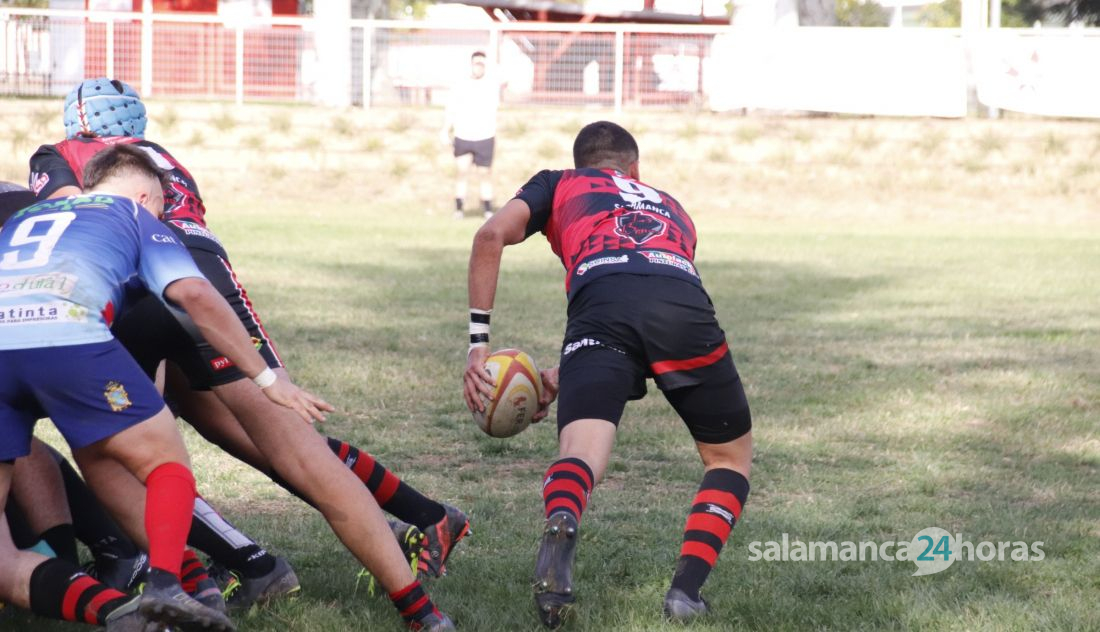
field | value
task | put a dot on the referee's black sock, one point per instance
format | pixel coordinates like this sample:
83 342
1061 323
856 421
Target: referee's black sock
459 203
715 510
487 206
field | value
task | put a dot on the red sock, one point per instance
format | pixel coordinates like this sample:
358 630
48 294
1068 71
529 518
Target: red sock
566 487
169 501
716 508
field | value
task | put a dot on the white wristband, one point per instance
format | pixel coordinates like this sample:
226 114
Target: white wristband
266 378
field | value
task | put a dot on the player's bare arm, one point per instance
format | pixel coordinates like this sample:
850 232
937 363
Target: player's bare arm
224 331
506 228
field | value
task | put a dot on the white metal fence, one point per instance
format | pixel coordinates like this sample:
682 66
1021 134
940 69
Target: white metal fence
367 62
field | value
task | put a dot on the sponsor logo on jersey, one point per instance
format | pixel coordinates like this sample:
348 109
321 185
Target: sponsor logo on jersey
42 313
117 397
56 283
639 227
39 182
194 230
719 511
652 208
668 259
221 363
163 239
602 261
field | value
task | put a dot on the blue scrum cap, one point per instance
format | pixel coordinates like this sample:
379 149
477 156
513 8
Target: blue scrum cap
104 107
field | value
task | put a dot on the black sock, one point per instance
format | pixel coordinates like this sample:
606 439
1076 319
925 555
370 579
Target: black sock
91 523
459 203
62 539
60 590
487 206
393 495
225 544
21 532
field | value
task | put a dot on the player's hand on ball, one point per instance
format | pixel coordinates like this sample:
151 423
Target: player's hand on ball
477 381
549 393
308 406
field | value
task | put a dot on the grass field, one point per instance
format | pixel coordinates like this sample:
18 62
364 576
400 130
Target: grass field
914 307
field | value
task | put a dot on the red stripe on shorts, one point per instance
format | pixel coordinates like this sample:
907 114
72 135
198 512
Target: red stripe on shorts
668 366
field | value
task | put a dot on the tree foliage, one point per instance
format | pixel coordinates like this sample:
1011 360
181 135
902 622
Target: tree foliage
861 13
1017 13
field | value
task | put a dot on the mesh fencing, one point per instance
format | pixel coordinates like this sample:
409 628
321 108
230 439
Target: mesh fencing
367 63
385 63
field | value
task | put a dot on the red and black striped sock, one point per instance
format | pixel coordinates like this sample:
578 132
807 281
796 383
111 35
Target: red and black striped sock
566 487
60 590
393 495
714 511
413 603
191 572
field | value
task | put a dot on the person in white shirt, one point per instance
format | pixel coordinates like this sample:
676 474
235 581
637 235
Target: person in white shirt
472 115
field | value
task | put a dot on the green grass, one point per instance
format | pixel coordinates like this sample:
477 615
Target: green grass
914 355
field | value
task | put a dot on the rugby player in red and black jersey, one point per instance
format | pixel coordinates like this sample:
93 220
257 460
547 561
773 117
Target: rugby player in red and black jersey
637 309
347 485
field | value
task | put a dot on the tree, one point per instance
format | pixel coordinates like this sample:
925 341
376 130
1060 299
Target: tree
1018 13
861 13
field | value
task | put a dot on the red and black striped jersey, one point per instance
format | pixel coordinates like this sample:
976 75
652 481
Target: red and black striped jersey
56 166
601 221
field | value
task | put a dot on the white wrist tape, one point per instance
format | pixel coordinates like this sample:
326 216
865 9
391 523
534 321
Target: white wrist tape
265 378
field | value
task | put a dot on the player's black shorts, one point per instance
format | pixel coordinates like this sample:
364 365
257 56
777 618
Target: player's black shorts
624 328
481 149
152 332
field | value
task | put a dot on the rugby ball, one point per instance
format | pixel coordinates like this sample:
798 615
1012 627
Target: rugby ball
516 390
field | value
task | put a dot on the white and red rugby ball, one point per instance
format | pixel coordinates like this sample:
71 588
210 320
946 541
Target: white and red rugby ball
516 390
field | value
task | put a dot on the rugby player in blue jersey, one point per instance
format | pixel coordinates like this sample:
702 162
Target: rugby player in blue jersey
64 265
217 399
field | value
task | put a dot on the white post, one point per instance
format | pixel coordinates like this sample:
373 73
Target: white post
620 62
146 49
494 45
110 48
333 43
994 23
368 59
240 64
995 14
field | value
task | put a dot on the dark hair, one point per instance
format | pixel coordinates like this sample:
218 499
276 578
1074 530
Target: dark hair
477 53
604 141
119 160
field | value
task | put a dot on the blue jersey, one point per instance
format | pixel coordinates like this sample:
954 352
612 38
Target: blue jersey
65 263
